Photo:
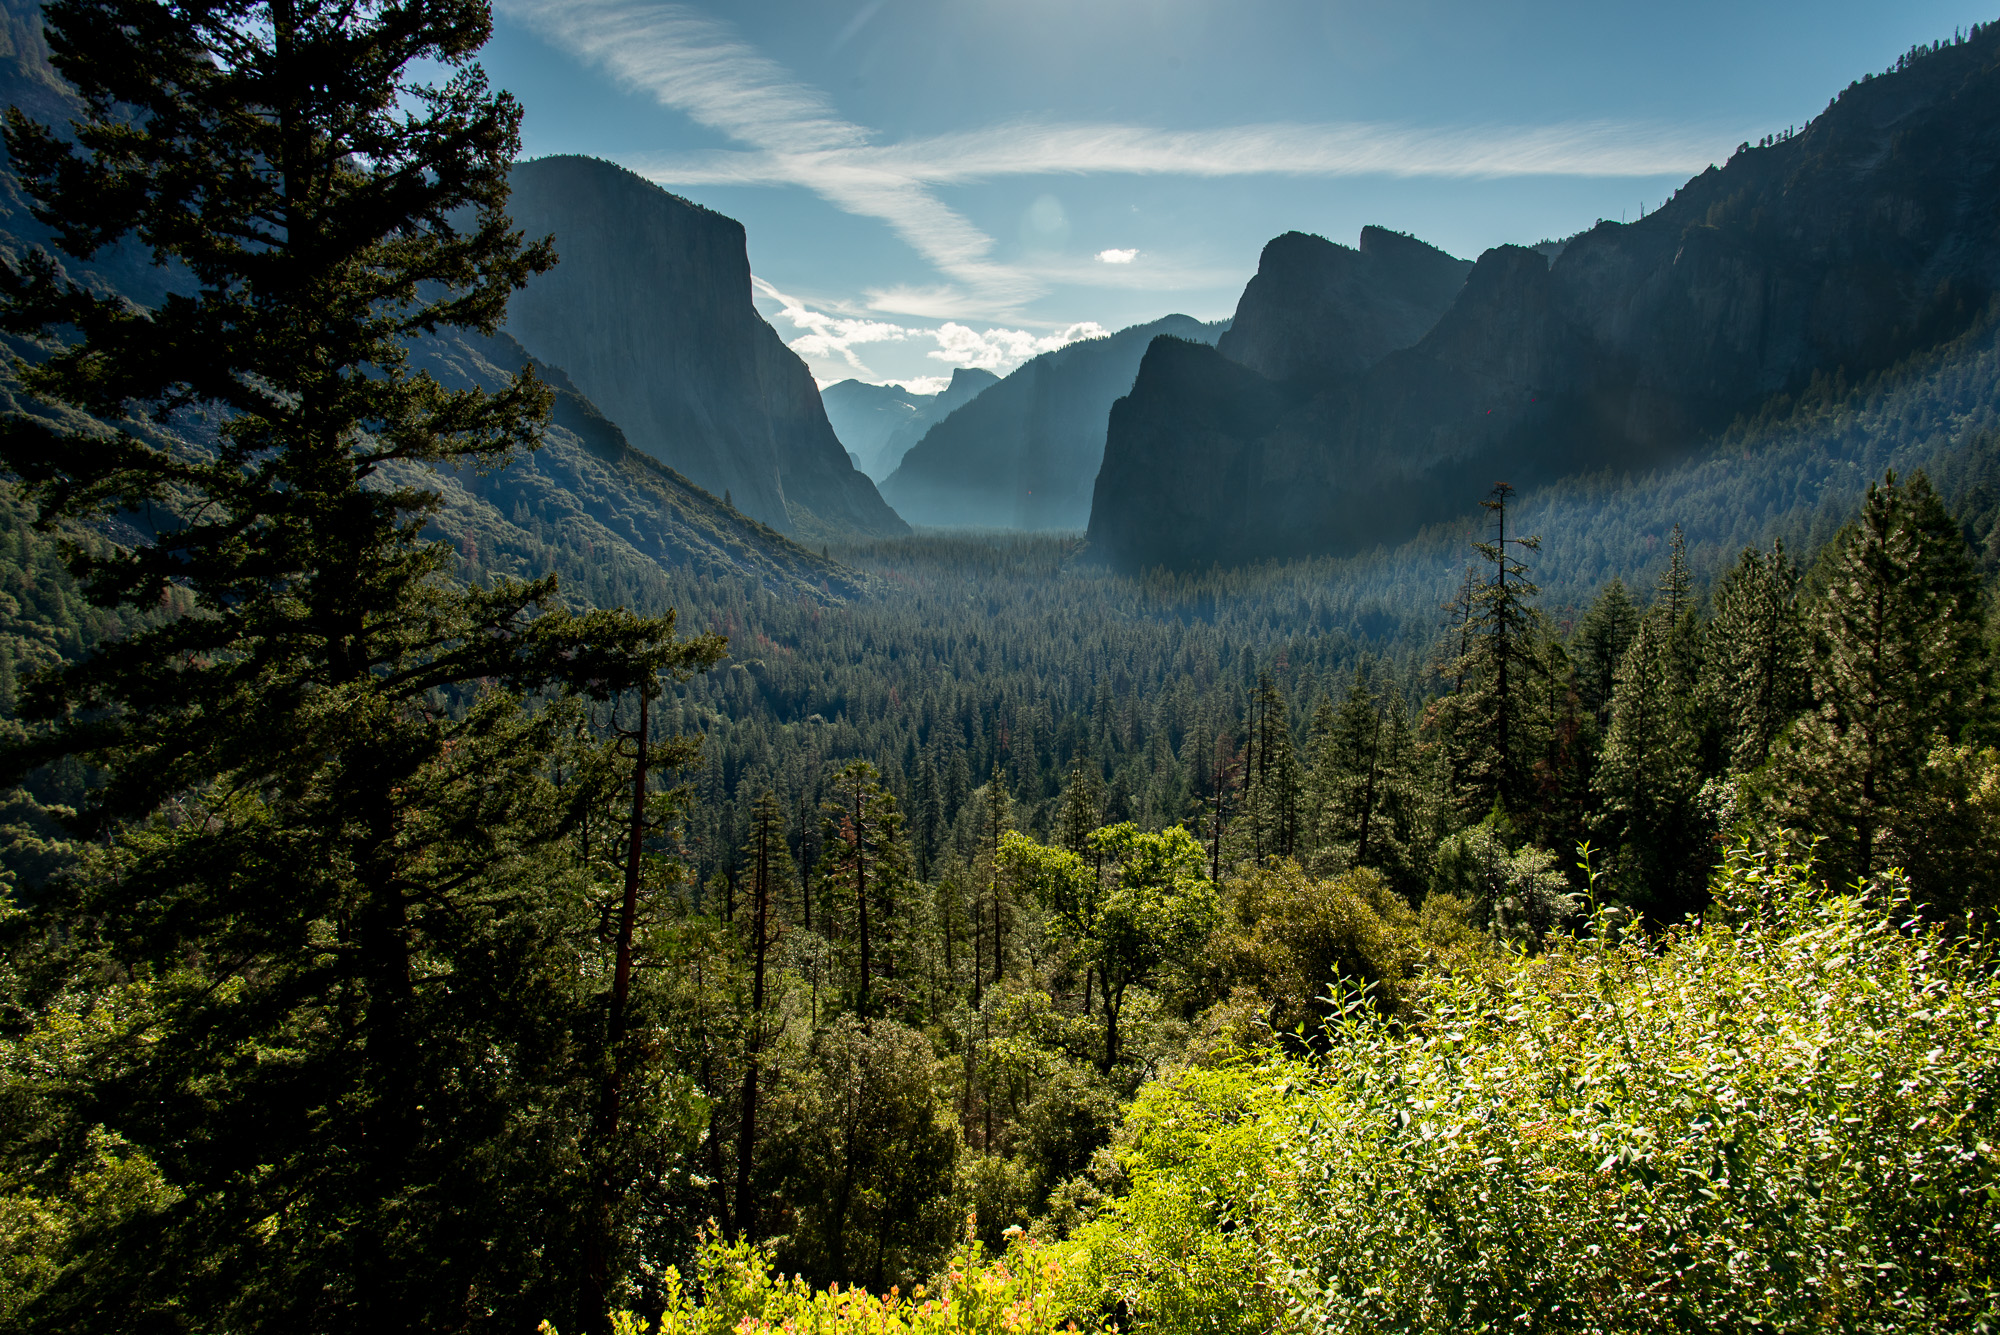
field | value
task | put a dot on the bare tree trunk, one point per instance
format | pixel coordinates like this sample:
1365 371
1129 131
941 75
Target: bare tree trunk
861 896
597 1258
746 1135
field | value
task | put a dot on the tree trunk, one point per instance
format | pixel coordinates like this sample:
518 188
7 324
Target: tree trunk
861 897
1113 1003
1368 794
597 1258
746 1134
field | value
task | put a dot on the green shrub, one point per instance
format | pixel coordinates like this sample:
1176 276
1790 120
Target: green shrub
1018 1293
1182 1251
1285 934
1782 1120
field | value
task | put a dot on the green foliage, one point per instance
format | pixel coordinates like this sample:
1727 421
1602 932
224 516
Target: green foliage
1755 679
1370 800
1021 1292
1514 892
1489 737
1899 662
1287 937
1954 866
1141 907
868 1140
78 1184
1181 1250
337 838
1650 772
1602 637
1780 1121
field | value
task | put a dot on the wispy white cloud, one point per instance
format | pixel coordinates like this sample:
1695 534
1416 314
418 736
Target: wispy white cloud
834 338
1001 350
792 135
1581 148
695 65
1117 256
1587 148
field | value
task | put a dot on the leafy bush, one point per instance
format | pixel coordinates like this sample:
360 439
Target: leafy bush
1784 1119
1182 1251
1286 933
1017 1293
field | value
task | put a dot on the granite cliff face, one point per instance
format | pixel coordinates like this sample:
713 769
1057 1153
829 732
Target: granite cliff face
1316 308
1024 453
879 423
1866 236
649 312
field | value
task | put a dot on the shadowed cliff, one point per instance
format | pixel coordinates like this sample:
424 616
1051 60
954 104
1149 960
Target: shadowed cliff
1866 236
649 312
593 509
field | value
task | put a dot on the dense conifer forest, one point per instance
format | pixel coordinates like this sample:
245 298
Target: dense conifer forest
1578 919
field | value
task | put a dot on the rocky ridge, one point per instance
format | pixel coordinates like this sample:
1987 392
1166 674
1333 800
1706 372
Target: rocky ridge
1832 252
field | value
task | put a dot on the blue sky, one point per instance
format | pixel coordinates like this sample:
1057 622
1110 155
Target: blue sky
935 183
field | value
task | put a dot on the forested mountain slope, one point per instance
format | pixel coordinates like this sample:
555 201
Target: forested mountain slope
607 519
1835 251
1024 453
1022 656
650 313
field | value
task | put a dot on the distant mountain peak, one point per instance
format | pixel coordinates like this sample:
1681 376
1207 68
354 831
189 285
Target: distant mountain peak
879 423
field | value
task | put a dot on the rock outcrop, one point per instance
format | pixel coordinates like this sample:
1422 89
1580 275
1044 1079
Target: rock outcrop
650 313
1833 252
1316 308
1024 454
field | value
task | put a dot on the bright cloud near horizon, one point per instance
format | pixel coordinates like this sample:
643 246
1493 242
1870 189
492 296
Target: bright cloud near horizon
929 184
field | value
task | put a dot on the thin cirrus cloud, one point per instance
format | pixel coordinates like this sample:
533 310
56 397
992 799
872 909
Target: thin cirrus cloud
792 136
835 338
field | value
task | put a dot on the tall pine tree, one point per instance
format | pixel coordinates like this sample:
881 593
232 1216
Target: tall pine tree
1490 720
1898 664
334 842
1755 673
